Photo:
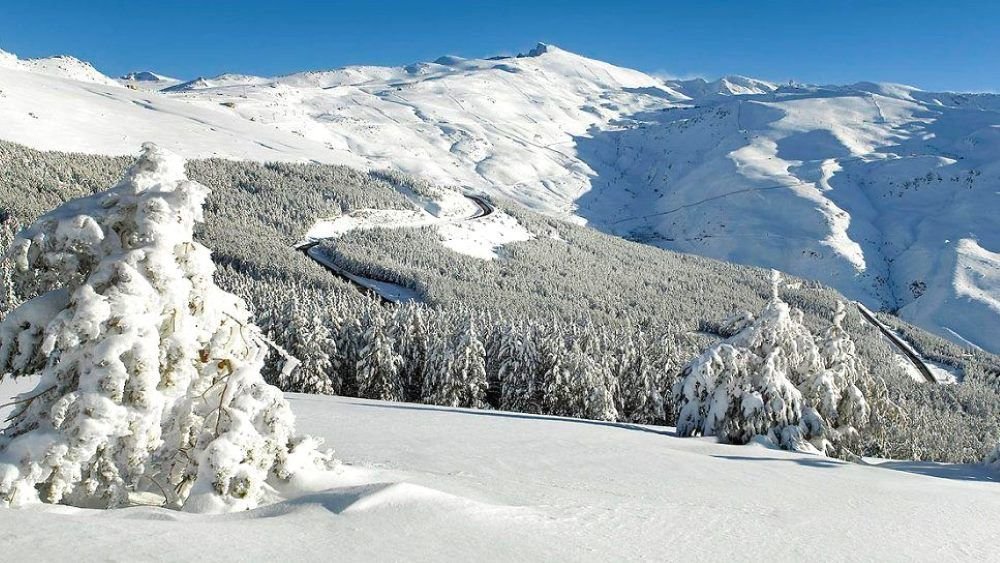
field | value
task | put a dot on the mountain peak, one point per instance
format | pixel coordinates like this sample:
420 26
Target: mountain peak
145 76
539 50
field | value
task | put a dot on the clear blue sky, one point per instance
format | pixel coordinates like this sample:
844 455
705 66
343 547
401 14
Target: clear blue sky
953 44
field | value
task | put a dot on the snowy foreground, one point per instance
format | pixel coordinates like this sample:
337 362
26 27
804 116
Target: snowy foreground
428 483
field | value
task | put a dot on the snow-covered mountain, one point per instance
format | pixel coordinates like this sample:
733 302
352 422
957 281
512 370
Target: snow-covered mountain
883 191
147 80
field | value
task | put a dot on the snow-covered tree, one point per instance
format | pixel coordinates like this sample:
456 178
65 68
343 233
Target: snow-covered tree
834 392
149 375
576 384
456 370
469 367
746 385
308 338
640 398
992 459
518 361
8 297
378 363
413 335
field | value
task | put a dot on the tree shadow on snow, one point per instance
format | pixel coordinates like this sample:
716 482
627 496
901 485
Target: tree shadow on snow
505 414
952 471
811 461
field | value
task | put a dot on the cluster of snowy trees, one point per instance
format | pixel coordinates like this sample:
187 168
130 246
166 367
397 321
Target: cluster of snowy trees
461 358
628 316
774 378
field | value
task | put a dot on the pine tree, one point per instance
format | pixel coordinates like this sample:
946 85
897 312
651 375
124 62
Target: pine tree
378 363
518 361
149 374
8 296
308 338
745 386
412 333
575 384
839 406
992 459
469 368
349 343
440 386
640 399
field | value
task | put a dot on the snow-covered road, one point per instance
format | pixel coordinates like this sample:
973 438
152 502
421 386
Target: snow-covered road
457 234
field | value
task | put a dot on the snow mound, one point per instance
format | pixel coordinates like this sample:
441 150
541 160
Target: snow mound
725 86
221 81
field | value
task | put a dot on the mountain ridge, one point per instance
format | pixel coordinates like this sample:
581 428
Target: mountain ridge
884 191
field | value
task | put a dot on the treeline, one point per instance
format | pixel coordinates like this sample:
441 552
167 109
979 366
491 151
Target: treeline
464 358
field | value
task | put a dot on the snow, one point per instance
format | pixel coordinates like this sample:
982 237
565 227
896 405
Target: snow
883 191
147 80
431 484
462 225
483 237
57 113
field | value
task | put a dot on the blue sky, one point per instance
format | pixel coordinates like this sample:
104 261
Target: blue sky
934 45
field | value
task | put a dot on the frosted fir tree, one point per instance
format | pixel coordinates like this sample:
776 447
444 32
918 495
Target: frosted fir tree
8 296
746 385
839 406
456 371
414 342
378 363
992 459
577 385
149 375
308 338
517 373
469 368
595 384
640 399
440 386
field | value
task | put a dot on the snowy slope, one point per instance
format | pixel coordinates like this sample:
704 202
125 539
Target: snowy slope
74 110
883 191
888 194
431 484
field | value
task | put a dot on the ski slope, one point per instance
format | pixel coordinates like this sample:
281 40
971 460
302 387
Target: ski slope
424 483
884 191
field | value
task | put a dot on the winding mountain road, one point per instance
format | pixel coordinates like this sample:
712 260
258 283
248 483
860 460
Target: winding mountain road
898 342
387 292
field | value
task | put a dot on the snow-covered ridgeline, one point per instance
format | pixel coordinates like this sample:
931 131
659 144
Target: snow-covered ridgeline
883 191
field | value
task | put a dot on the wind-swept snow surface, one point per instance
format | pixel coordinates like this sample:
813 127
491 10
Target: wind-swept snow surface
434 484
885 192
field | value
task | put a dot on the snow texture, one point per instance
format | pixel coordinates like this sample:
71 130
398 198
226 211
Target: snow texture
438 484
